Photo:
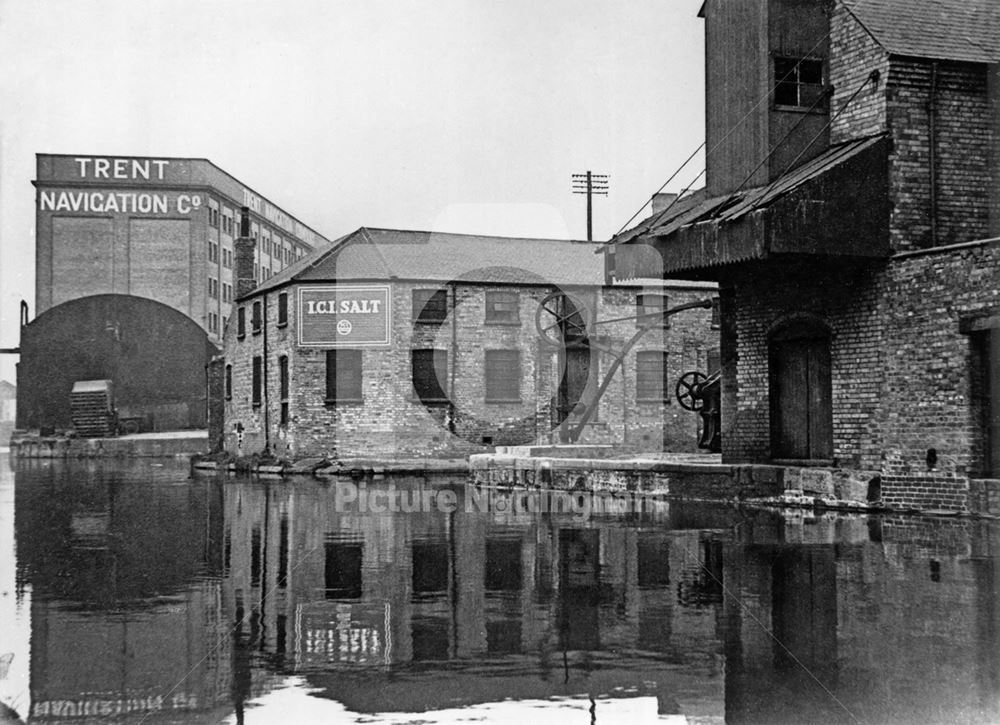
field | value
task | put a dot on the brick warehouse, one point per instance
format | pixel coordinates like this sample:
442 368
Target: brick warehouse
401 343
160 228
852 223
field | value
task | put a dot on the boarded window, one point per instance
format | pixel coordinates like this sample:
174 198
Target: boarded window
430 305
651 375
256 320
798 82
257 380
343 376
503 376
241 322
283 309
501 308
650 308
429 373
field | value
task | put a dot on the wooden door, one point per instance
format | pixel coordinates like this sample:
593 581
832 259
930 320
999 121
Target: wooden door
801 399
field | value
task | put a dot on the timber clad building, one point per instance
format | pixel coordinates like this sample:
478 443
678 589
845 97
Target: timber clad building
160 228
852 221
402 343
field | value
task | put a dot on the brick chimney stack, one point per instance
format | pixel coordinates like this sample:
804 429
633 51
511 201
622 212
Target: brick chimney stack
243 256
661 201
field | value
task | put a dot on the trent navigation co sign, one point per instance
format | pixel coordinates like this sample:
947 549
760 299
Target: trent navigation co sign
344 316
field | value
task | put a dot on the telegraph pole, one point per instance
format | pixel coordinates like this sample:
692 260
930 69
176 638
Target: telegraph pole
590 184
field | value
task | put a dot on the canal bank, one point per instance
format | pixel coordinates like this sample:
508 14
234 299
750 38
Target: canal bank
706 477
168 444
599 471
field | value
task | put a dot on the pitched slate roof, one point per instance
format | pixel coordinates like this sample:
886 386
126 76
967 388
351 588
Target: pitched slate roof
966 30
370 254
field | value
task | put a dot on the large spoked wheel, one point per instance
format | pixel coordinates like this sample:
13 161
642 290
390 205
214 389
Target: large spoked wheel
687 390
557 317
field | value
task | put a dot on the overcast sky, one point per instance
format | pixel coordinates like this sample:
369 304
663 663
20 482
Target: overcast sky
442 115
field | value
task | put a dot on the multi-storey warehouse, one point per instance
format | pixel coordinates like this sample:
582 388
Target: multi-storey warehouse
161 228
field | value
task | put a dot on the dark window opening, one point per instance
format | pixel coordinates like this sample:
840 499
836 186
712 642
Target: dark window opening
283 552
241 322
257 380
654 561
430 568
429 372
430 305
256 558
651 376
503 637
283 387
256 321
229 382
344 376
798 82
503 376
503 565
282 309
650 309
429 636
502 308
342 571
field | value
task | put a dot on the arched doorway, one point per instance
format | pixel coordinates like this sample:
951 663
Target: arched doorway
801 390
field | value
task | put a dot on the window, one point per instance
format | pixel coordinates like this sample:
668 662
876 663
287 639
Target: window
256 381
343 376
225 322
503 376
213 288
241 322
213 217
213 252
501 308
227 257
430 305
798 82
651 376
227 292
650 309
229 382
282 309
283 387
256 321
429 372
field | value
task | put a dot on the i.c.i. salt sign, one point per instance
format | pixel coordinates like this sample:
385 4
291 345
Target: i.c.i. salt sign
344 315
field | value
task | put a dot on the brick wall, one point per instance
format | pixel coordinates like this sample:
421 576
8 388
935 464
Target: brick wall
962 138
848 301
930 399
854 54
393 422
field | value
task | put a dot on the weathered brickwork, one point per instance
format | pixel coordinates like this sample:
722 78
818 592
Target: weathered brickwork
958 171
392 422
847 301
854 55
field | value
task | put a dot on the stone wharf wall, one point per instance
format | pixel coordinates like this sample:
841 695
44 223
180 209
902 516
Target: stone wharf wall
392 422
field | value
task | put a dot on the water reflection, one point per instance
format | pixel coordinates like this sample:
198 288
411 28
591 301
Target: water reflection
153 598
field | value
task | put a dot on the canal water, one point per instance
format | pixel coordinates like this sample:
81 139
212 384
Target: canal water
133 593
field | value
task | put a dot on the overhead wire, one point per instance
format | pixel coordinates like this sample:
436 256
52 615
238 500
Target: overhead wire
764 97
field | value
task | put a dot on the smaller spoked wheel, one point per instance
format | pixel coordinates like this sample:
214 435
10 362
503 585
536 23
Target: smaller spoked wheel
557 317
688 390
